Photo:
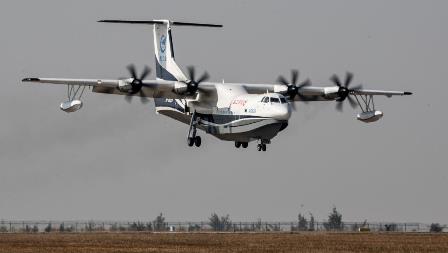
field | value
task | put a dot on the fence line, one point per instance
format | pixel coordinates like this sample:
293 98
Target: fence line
152 226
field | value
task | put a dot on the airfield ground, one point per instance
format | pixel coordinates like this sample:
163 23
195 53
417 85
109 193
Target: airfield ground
210 242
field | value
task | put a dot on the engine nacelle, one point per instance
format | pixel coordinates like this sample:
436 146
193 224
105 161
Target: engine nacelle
180 87
331 92
370 116
124 85
71 106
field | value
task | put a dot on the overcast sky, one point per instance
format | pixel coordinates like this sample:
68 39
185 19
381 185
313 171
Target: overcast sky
114 160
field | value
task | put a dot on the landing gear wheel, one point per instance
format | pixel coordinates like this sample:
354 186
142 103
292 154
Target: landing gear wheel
263 147
197 141
259 147
244 144
237 144
190 141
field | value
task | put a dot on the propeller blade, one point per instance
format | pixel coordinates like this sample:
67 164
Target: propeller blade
143 97
348 79
353 103
294 76
191 72
145 73
282 80
335 80
132 70
293 105
305 83
339 106
204 77
128 98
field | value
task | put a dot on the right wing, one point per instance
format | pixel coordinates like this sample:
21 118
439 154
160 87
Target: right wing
150 88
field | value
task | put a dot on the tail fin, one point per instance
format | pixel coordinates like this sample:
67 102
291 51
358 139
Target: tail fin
166 67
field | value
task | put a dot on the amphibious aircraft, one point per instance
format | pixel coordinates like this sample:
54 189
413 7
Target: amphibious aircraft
237 112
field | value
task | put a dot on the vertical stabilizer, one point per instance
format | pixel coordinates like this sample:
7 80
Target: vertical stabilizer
166 67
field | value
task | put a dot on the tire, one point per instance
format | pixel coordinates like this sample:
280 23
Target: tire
244 144
237 144
190 141
263 147
197 141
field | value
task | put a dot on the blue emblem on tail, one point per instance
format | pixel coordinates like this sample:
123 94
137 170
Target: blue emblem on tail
163 43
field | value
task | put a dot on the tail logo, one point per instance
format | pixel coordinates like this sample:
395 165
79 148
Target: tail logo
163 43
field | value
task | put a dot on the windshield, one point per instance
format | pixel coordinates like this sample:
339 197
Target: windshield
275 100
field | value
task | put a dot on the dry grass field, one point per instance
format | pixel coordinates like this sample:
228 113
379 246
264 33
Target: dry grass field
209 242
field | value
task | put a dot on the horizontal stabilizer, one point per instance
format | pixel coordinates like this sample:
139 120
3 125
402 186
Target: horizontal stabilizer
152 22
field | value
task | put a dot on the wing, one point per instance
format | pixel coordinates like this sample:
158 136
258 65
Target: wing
166 89
150 88
315 93
380 93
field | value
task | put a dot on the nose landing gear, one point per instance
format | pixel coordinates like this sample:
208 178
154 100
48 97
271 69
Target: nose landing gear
196 141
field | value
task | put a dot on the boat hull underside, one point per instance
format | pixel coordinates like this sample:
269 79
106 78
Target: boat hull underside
243 129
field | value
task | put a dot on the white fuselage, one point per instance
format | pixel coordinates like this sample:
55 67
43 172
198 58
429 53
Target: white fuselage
272 105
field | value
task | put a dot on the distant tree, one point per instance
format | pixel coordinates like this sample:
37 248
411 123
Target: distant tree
435 228
334 220
48 228
90 226
3 229
220 224
159 223
258 225
62 227
35 229
302 224
391 227
311 223
137 226
149 226
194 227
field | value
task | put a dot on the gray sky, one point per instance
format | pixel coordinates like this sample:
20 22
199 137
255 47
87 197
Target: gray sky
114 160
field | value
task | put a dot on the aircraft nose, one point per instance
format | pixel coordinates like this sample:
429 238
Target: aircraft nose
283 112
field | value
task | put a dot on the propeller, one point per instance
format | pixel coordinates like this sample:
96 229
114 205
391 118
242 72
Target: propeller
192 83
137 83
344 91
293 89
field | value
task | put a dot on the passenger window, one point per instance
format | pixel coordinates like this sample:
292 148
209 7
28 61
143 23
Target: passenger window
283 100
275 100
266 100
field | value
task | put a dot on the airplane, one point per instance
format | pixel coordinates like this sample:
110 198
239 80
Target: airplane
236 112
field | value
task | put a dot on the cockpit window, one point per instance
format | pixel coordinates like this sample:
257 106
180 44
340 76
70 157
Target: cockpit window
275 100
283 100
265 100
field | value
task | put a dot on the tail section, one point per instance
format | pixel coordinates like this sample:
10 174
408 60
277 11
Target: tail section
166 67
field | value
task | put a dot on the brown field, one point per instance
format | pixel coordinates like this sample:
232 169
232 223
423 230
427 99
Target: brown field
210 242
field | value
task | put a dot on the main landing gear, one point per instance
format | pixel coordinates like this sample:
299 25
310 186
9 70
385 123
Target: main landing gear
241 144
262 145
192 138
